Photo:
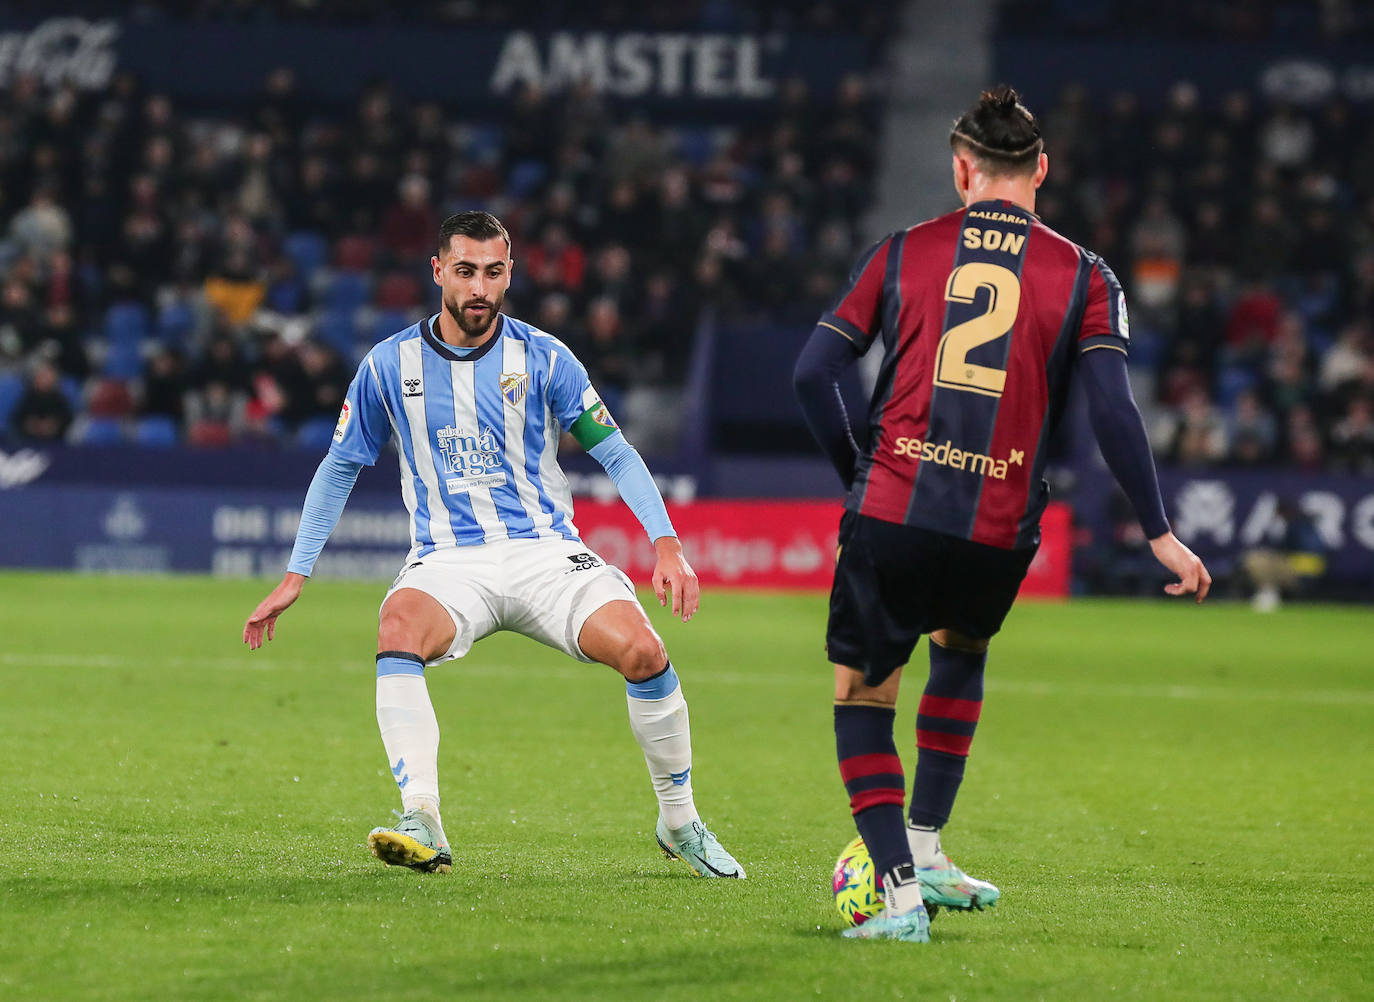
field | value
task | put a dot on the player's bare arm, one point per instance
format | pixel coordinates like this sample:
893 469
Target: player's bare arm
673 576
263 622
324 503
1192 573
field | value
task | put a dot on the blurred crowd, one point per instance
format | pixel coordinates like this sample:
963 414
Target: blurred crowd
1304 21
869 17
1244 235
170 277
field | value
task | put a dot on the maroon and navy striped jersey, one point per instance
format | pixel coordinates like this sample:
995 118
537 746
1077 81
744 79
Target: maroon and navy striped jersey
982 315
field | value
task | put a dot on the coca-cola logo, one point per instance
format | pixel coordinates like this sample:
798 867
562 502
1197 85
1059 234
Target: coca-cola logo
61 50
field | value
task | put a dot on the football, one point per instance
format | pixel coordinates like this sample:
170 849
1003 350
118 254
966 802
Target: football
855 884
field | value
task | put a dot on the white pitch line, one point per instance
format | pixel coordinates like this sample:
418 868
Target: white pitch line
1162 690
124 661
820 680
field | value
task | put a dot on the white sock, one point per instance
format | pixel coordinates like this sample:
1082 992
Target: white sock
658 718
901 891
410 733
925 844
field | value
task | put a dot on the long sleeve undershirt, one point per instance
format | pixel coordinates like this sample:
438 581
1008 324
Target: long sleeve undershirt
1121 435
635 484
324 503
826 354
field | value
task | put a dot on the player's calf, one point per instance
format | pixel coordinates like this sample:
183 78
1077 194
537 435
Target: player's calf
945 725
872 775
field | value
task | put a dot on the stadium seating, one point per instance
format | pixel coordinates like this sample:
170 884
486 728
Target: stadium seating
307 251
99 431
267 260
74 390
122 361
346 291
110 397
526 177
127 324
397 291
385 323
338 329
316 433
156 431
355 253
175 323
11 392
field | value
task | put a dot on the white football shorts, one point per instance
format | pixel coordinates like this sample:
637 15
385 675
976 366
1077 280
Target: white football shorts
545 589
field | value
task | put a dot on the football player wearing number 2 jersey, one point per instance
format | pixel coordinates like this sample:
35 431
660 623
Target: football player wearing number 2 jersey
476 402
985 316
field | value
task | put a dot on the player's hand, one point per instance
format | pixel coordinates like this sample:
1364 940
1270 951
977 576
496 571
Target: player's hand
674 575
1193 576
264 618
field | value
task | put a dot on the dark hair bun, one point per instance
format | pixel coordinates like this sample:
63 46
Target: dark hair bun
1001 99
999 129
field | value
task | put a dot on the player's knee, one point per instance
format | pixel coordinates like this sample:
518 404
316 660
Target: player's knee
955 641
644 657
850 687
400 629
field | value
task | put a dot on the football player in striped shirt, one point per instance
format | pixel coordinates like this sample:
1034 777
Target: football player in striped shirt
984 317
476 402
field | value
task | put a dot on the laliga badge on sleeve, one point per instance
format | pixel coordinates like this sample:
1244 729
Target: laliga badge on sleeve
344 415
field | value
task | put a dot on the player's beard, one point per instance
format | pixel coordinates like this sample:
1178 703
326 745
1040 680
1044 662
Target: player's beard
474 329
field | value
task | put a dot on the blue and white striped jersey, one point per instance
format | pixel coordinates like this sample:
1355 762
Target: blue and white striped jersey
477 433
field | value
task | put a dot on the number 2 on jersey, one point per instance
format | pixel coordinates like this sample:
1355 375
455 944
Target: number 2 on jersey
952 367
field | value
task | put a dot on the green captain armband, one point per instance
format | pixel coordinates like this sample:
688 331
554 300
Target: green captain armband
594 426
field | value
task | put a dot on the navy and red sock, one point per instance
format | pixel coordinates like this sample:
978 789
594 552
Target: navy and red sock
945 722
873 777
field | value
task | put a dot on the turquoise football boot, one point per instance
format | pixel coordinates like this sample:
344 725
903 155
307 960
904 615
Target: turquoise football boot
698 848
910 927
417 841
944 885
900 886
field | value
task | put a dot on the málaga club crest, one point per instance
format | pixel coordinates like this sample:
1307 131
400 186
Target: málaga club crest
513 386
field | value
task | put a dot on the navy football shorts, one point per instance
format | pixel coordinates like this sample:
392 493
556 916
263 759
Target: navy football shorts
894 583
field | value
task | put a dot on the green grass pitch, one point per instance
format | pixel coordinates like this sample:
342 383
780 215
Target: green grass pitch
1174 800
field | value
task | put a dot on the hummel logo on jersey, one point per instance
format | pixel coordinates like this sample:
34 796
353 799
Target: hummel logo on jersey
584 561
413 387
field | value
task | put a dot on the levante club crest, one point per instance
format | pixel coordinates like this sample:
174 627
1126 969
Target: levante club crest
513 386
